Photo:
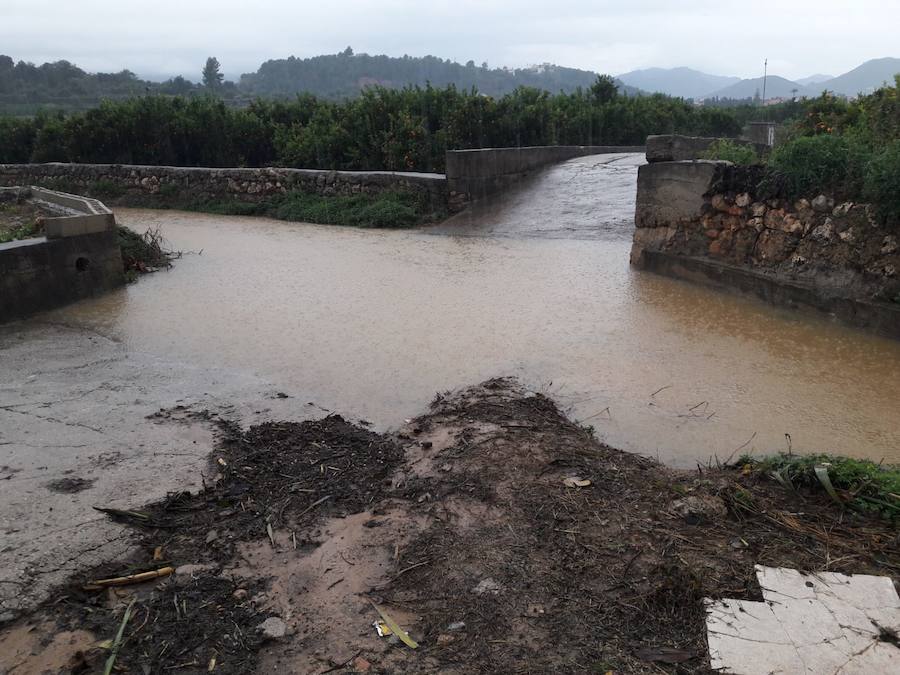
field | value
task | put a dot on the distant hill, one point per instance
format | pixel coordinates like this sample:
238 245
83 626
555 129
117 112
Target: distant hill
346 74
683 82
776 87
814 79
26 87
863 79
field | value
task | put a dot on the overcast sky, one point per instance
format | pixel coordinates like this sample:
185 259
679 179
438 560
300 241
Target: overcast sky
168 37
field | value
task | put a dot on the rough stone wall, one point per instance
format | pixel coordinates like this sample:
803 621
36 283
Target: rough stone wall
475 174
709 211
203 184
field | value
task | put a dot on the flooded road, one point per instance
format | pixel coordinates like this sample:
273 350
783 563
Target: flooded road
373 323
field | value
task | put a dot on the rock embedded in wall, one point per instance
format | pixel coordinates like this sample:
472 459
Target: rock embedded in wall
838 249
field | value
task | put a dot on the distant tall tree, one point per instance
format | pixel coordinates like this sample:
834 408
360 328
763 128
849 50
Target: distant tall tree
604 89
212 76
347 52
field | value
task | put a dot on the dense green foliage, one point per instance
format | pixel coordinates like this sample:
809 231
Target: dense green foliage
737 153
848 149
882 182
812 164
27 89
858 483
394 129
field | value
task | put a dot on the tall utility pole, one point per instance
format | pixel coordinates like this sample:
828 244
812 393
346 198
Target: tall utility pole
765 76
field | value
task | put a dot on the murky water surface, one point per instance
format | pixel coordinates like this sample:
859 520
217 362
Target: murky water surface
373 323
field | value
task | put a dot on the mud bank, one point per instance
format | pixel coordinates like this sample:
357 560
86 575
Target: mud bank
500 535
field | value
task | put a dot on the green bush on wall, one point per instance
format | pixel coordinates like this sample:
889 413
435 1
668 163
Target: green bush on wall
729 151
812 164
882 184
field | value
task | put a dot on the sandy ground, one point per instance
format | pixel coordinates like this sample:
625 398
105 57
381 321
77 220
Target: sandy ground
74 434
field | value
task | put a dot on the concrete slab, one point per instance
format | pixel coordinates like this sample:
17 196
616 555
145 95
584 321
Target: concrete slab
822 623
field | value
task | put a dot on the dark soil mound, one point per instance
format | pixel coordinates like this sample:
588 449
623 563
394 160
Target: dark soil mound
502 536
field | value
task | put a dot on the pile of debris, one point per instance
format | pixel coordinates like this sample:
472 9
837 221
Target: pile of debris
490 535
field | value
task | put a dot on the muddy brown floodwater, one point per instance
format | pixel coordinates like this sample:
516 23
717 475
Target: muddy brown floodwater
373 323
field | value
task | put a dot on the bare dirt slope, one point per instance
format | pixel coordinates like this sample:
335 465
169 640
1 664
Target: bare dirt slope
501 536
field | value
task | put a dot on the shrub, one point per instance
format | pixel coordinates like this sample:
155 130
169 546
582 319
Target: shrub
882 184
388 209
729 151
105 189
812 164
858 483
16 140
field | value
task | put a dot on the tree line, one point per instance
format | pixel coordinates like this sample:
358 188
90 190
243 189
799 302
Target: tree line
26 88
407 129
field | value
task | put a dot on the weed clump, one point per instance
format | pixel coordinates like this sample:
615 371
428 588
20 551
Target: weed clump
143 253
729 151
858 483
394 209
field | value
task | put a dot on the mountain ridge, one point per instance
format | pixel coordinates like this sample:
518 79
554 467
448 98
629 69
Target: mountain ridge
689 83
681 81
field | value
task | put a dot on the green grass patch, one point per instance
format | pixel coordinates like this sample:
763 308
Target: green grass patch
392 209
18 220
25 231
395 209
857 483
882 183
388 209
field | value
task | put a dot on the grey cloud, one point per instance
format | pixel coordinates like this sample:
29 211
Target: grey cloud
726 37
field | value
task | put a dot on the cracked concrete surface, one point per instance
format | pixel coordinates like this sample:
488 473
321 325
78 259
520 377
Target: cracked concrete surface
74 405
822 623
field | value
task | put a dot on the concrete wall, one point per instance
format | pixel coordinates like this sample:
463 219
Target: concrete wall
40 274
704 221
146 184
77 258
475 174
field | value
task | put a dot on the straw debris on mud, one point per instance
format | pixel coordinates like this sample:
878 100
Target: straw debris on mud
500 535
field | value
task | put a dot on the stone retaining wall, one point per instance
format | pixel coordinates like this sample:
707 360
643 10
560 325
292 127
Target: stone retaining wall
121 181
699 219
475 174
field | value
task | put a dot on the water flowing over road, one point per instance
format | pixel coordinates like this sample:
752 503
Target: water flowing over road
267 320
537 285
